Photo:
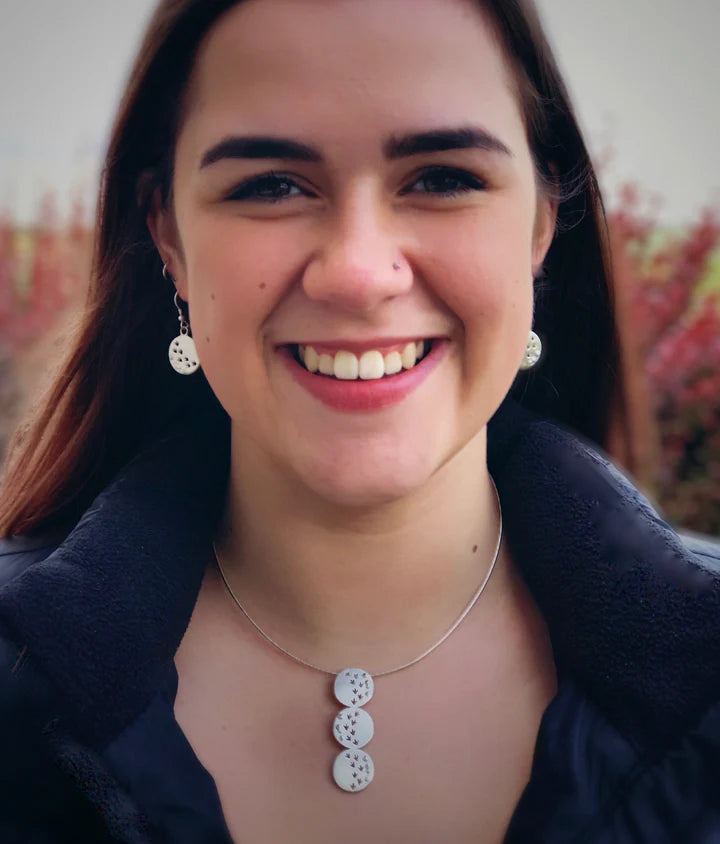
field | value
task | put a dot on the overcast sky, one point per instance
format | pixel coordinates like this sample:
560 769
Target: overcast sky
645 75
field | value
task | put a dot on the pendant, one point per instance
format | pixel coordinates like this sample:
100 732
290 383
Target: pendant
353 728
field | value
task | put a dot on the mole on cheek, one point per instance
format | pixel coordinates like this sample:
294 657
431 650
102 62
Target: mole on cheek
262 285
212 296
207 339
474 549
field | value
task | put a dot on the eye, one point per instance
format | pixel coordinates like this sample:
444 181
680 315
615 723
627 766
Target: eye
268 187
445 181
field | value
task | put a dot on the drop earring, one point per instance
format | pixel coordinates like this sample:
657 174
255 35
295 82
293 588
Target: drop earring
182 353
533 350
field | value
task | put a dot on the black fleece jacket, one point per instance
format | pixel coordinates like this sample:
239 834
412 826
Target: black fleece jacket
628 751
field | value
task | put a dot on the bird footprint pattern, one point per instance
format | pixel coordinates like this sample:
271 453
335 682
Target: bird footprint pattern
353 728
354 687
182 356
353 771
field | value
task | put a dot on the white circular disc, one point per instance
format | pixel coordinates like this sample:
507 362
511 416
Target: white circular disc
353 770
533 351
354 687
183 355
353 727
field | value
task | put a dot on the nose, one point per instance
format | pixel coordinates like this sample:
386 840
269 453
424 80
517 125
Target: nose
359 264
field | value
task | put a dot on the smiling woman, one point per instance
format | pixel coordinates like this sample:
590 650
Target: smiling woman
368 219
432 172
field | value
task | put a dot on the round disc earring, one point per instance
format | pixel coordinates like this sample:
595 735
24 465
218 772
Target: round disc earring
533 350
182 352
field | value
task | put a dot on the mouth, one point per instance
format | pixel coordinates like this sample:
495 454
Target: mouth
368 365
363 378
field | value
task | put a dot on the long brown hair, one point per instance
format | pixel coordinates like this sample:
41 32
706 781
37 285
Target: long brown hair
116 392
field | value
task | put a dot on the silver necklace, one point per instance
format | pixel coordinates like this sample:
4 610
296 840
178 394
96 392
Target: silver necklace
353 769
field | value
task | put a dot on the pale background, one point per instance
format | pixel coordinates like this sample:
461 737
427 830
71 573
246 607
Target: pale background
645 75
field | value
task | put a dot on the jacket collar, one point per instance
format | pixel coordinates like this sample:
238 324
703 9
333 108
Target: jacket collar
633 614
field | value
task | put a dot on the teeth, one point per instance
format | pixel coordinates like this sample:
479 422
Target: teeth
409 356
326 364
393 363
371 365
346 366
311 358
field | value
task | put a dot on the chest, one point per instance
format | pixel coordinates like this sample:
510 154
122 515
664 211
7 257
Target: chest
452 746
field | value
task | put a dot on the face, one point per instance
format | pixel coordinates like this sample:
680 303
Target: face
352 181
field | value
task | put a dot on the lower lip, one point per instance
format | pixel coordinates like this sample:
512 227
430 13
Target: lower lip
365 396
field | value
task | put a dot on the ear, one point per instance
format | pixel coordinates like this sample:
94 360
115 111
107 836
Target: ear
163 228
544 231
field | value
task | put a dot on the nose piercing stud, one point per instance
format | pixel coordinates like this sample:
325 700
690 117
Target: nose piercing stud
396 266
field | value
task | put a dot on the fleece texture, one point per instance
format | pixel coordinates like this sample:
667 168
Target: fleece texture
632 610
104 613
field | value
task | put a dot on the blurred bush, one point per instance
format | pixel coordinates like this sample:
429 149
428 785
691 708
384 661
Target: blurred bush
43 275
668 296
667 292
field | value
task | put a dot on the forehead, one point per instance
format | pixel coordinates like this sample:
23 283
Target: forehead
343 65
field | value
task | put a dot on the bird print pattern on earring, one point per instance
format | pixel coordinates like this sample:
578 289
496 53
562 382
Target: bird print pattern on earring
182 352
533 350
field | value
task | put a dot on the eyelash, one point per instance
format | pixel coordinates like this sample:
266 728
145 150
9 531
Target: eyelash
467 181
249 190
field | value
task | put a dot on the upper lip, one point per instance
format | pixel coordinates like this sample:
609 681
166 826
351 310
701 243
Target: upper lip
362 345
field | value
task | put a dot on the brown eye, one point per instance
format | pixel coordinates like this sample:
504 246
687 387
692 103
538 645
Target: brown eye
269 187
445 181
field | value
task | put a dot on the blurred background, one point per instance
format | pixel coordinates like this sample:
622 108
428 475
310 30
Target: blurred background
645 78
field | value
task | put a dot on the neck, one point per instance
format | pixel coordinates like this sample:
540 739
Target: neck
376 586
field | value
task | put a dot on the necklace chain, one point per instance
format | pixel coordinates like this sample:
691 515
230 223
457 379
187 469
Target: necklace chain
455 625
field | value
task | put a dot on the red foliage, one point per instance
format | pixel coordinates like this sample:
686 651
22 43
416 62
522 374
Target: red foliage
43 270
8 275
56 265
677 334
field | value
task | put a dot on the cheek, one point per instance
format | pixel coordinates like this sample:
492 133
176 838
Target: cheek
233 282
247 265
229 301
483 272
482 268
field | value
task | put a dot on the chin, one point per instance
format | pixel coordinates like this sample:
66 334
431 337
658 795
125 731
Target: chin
367 481
367 470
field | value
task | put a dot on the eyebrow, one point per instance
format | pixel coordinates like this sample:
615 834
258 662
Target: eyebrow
419 143
441 140
259 147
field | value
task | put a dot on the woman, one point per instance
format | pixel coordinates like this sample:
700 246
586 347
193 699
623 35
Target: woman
360 211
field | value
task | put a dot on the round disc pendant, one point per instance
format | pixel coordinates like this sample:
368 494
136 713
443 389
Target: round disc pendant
354 687
353 728
353 770
183 355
